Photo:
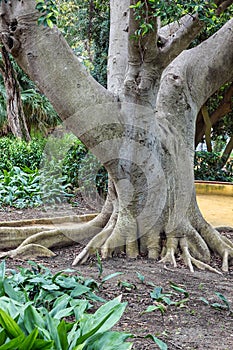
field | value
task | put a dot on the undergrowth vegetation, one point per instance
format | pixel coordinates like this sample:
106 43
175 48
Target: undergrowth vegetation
56 169
41 310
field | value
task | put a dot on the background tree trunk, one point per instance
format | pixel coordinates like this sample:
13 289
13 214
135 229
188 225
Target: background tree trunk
14 107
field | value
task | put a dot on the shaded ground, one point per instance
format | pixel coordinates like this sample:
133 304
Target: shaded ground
192 325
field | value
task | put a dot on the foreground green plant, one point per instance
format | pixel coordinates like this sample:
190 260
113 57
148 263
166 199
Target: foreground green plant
224 305
40 329
34 307
161 301
39 310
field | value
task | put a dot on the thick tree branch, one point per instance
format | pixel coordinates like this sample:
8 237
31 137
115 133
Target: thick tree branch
210 64
142 51
134 50
224 108
222 5
118 45
227 152
188 28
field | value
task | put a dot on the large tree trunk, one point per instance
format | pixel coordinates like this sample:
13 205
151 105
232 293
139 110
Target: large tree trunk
142 128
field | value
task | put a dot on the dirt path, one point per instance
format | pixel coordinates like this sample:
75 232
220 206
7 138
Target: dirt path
218 210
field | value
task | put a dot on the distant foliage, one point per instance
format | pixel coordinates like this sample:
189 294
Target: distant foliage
47 171
85 25
169 11
82 168
19 153
207 166
39 114
22 184
25 188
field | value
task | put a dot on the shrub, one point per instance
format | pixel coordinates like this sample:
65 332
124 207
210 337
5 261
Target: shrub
15 152
23 188
65 162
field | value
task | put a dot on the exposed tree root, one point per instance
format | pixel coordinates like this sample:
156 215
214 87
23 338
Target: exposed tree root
96 242
28 251
34 237
114 234
168 252
190 260
224 228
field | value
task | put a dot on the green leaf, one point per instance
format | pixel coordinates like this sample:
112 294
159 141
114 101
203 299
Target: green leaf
224 299
64 313
11 293
60 304
62 333
157 292
160 343
9 324
66 282
150 308
219 306
112 275
109 341
2 277
50 287
49 22
79 290
3 337
94 297
41 20
127 285
32 319
204 300
140 277
80 306
166 300
13 344
62 273
179 289
161 307
103 319
41 344
180 302
40 6
29 341
52 325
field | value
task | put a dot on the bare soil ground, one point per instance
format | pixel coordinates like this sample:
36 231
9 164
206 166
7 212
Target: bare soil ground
191 325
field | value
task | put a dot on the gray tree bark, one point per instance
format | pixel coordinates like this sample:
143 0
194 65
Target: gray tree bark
142 128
